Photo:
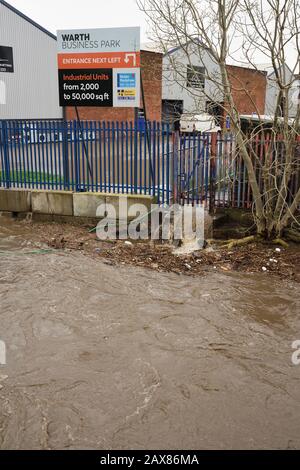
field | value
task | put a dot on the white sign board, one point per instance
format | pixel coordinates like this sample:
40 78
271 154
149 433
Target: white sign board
99 67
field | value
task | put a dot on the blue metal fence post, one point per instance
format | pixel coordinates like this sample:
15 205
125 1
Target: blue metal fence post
212 172
176 154
136 157
168 164
66 156
4 143
154 155
76 160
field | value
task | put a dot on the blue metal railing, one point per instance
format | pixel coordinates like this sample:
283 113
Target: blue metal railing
122 157
86 156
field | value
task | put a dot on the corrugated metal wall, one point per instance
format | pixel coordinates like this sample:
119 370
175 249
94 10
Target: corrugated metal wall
32 90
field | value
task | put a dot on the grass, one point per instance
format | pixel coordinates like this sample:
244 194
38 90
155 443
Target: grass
31 177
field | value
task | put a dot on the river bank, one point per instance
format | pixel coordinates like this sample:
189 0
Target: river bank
252 258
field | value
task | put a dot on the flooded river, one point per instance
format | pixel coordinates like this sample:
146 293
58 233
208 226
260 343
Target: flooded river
100 357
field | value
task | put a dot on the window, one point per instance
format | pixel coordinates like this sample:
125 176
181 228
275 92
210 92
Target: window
215 109
195 76
172 110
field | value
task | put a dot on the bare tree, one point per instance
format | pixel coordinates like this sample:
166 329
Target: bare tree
245 32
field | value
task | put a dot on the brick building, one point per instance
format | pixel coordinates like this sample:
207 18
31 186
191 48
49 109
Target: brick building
191 84
248 89
151 72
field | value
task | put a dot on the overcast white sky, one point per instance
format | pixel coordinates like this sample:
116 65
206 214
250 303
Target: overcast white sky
72 14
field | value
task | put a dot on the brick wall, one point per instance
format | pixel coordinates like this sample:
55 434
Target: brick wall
151 70
152 81
94 113
248 89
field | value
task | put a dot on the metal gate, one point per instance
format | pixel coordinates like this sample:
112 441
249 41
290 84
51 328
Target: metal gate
204 166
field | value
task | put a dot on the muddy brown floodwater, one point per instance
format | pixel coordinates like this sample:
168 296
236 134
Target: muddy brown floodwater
101 357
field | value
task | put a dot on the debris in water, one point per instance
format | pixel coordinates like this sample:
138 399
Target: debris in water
108 262
246 258
225 268
264 269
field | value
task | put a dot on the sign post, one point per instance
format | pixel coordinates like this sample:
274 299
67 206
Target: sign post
99 67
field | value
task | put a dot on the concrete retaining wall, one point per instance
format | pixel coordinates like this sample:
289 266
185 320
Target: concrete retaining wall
52 202
125 202
86 204
66 203
15 200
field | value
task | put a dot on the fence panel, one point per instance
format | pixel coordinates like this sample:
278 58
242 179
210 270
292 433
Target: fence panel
118 157
86 156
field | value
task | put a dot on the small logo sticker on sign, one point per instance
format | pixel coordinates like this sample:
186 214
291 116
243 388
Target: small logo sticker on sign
126 80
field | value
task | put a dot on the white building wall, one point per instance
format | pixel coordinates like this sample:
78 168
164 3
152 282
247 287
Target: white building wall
295 98
31 92
273 91
174 83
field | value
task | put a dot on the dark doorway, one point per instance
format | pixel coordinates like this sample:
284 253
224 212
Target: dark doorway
172 110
